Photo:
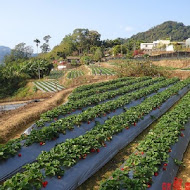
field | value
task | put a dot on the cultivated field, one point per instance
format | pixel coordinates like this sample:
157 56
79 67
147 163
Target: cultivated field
48 86
79 137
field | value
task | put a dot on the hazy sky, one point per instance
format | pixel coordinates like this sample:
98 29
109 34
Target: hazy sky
26 20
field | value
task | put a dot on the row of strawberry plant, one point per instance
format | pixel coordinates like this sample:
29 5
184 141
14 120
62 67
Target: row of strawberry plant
75 74
60 126
96 85
66 154
152 152
77 96
50 133
94 99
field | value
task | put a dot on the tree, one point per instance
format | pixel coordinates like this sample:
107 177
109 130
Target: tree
37 43
98 54
20 52
45 46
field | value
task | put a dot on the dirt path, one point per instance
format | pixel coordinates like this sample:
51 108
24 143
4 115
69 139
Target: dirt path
13 123
17 120
184 172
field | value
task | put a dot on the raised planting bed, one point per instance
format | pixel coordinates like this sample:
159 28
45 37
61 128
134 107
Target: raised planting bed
155 162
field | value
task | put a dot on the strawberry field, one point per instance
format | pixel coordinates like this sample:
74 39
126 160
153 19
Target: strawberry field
101 71
75 74
48 86
68 144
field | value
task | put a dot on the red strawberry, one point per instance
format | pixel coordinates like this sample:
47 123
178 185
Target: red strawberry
170 150
182 135
104 145
122 169
142 153
98 150
88 122
104 114
155 173
41 143
127 128
165 164
59 177
92 150
136 153
55 119
19 155
148 185
134 124
164 168
44 184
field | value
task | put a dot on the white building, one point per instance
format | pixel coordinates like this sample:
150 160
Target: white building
187 43
161 42
170 48
147 46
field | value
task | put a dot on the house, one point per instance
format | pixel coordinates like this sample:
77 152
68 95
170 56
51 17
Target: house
70 58
147 46
187 43
61 67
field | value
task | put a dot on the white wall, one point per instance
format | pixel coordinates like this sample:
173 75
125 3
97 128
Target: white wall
147 46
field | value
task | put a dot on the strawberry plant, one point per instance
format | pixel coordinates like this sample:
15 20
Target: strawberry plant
154 147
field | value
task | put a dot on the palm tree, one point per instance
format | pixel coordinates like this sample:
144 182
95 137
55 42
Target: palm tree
37 43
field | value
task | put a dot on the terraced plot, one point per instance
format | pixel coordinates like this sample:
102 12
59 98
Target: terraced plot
48 86
101 71
75 74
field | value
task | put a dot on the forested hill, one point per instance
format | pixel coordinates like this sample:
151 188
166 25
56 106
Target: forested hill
176 30
4 51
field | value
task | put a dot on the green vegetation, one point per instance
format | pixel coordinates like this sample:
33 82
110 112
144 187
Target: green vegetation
174 30
101 71
153 151
56 74
74 74
65 155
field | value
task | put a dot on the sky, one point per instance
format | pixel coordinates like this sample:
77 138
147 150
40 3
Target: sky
26 20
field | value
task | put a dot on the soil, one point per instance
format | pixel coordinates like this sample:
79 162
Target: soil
173 63
13 123
93 183
184 172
